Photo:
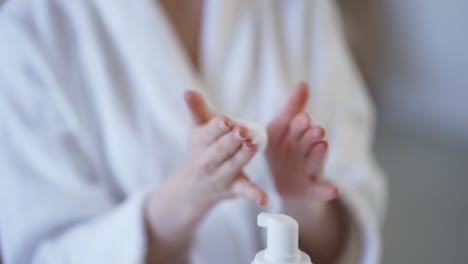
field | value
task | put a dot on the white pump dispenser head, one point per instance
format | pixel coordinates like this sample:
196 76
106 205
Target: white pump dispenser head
282 241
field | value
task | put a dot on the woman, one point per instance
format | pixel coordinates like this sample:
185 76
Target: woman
97 164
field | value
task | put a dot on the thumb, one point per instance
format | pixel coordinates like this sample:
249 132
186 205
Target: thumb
296 101
246 188
198 108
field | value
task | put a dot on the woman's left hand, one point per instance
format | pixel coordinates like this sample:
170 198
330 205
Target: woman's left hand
297 150
296 154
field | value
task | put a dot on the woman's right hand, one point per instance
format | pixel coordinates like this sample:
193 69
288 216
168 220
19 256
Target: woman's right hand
217 152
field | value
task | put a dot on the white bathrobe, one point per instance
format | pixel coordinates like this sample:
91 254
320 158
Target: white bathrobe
92 117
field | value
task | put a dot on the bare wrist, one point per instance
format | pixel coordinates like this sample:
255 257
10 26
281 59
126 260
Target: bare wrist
171 218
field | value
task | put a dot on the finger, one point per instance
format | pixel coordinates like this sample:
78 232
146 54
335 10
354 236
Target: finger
323 192
215 129
226 146
315 158
198 109
295 104
238 160
246 188
298 126
311 137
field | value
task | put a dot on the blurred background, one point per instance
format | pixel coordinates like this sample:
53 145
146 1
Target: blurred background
414 57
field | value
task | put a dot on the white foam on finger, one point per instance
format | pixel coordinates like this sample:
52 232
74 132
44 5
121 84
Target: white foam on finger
258 132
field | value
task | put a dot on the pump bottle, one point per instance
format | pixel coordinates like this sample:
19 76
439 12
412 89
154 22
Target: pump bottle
282 241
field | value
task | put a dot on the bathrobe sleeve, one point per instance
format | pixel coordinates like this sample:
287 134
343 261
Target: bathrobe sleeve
56 204
350 123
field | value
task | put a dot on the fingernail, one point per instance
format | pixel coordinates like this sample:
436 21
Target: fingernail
331 193
242 133
228 123
318 132
261 201
250 145
322 146
224 125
